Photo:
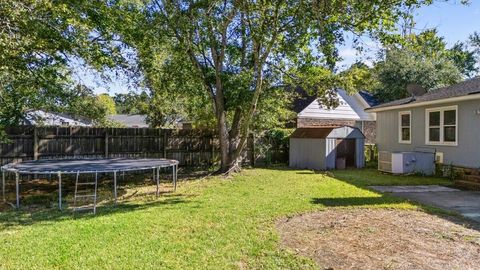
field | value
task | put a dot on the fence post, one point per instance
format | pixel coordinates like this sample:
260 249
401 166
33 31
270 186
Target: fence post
35 143
106 142
165 138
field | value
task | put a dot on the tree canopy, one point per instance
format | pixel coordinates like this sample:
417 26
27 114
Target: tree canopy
39 40
222 64
225 56
421 59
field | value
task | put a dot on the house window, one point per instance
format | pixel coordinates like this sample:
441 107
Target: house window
441 128
405 127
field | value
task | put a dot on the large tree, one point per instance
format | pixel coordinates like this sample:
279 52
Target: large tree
475 42
234 50
131 102
421 59
403 67
39 41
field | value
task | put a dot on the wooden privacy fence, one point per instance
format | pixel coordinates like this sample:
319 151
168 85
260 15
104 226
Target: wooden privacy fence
191 147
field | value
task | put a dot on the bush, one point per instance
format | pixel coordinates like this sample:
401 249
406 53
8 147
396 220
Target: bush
272 146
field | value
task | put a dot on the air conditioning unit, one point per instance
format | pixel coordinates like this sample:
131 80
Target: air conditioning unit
406 162
439 157
385 161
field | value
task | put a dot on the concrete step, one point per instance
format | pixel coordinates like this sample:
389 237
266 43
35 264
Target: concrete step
467 184
472 178
469 171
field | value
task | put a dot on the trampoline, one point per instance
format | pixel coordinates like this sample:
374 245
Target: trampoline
78 167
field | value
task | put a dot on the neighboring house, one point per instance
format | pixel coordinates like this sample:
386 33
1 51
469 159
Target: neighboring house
140 121
350 112
446 120
130 120
43 118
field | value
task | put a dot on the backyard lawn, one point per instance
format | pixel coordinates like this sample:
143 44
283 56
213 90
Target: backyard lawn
214 223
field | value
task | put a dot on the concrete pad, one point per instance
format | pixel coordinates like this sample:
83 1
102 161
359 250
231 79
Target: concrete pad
398 189
466 203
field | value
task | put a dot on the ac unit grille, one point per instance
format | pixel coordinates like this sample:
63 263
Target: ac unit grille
385 161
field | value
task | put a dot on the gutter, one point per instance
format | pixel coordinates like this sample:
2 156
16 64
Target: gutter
425 103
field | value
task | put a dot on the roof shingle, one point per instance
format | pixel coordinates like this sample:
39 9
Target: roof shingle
467 87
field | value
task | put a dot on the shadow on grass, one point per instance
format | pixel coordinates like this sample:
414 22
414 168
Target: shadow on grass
26 217
39 197
306 172
358 179
363 178
356 201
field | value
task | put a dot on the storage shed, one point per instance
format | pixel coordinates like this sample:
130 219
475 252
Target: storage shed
326 148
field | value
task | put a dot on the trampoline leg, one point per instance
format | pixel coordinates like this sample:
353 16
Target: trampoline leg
158 181
17 189
174 177
3 186
60 191
115 186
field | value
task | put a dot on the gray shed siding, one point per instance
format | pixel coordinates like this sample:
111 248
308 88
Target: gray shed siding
466 153
330 153
307 153
321 153
360 153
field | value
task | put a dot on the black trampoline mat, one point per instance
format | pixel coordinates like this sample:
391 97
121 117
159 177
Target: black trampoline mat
88 165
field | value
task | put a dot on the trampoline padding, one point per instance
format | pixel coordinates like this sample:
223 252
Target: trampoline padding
87 165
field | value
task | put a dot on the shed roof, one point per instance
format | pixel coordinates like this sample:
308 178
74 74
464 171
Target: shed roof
346 132
318 133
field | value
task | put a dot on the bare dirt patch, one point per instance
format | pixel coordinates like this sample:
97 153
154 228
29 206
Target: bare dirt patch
381 239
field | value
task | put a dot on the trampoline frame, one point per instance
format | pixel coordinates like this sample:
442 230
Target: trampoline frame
156 175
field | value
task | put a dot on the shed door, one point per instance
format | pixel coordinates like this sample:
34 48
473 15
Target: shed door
346 149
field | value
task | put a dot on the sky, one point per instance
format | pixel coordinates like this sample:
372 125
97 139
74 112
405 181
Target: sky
455 22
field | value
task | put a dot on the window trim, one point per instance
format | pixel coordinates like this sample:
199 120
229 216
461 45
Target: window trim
400 114
442 125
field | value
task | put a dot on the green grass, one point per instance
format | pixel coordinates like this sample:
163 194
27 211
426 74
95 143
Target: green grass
209 224
371 177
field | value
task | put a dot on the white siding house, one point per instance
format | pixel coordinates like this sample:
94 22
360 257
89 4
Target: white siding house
351 107
350 111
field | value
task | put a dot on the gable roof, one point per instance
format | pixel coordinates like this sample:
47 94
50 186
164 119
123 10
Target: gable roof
45 118
302 100
369 98
351 107
466 88
130 120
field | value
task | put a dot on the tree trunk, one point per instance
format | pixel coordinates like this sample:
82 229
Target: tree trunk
230 156
223 141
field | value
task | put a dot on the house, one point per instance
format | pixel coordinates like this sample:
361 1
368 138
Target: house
445 121
44 118
324 148
349 112
140 121
130 120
